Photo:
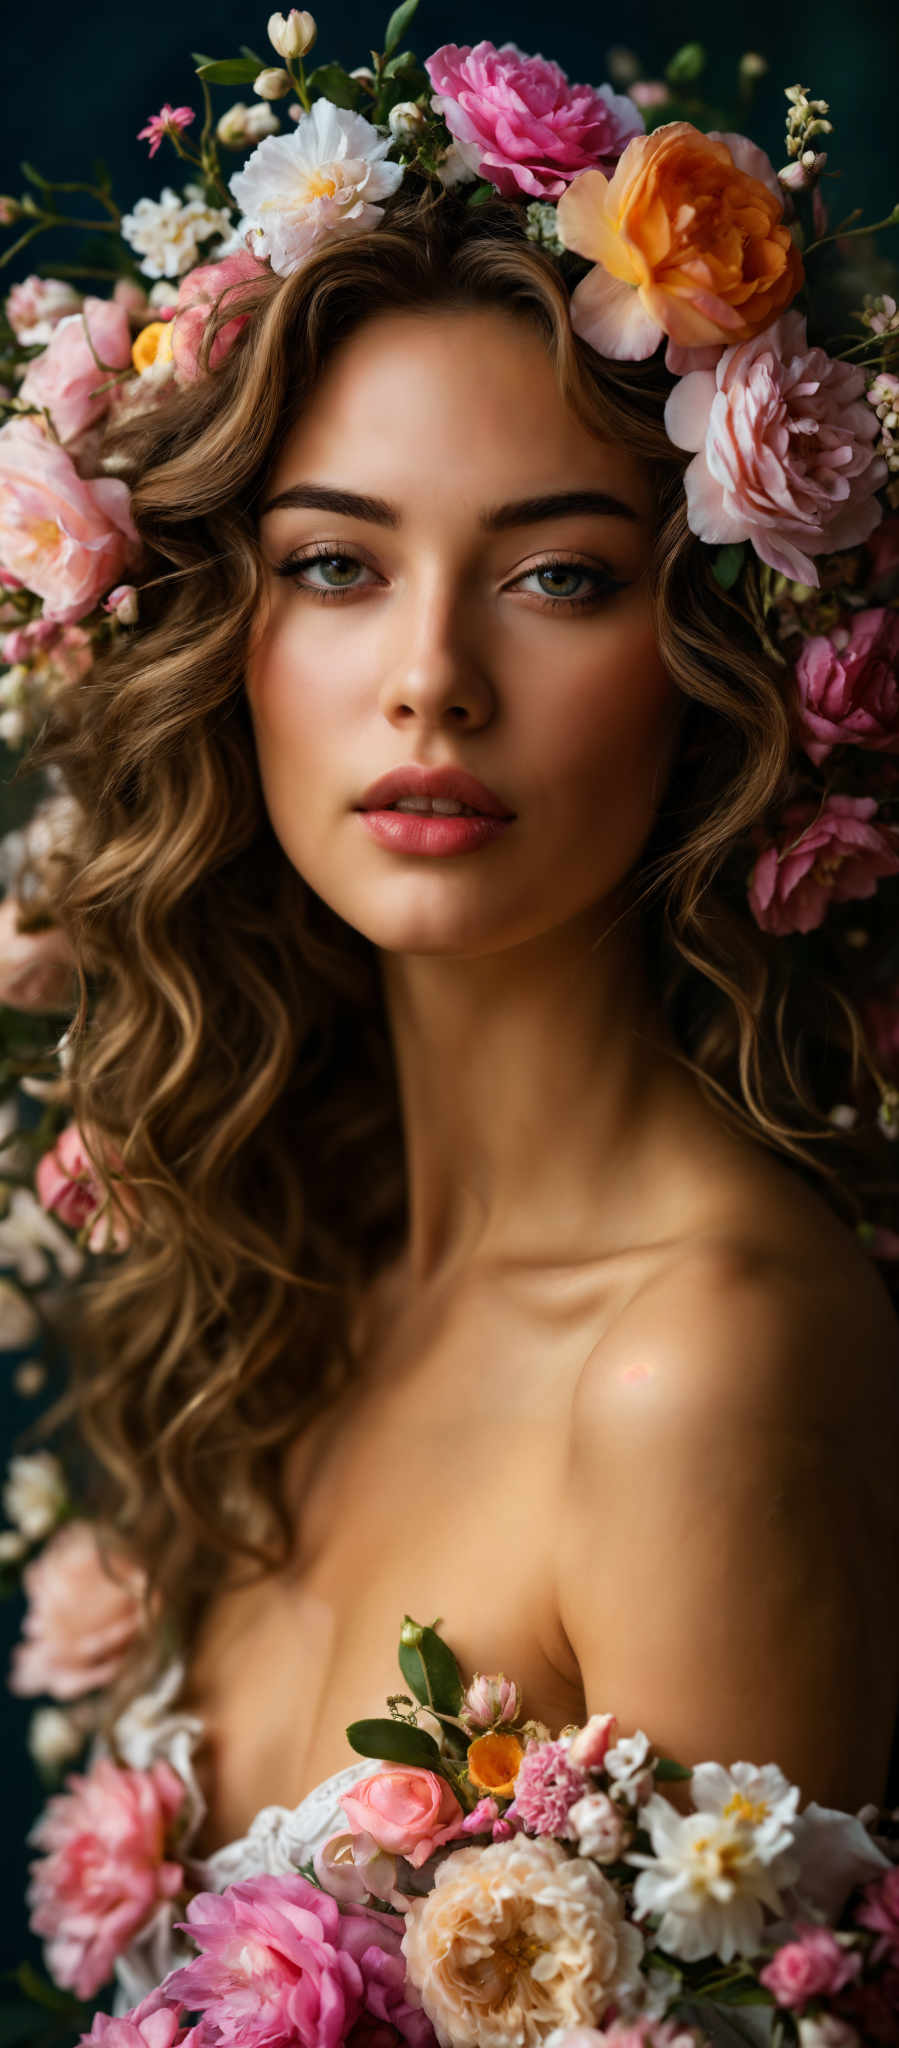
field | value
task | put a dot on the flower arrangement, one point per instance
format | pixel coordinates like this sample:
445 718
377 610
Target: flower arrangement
493 1883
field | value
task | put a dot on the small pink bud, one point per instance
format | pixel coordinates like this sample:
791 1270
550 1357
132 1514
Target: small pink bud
589 1745
122 603
491 1701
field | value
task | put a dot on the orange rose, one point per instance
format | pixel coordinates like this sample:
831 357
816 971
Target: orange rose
688 240
493 1762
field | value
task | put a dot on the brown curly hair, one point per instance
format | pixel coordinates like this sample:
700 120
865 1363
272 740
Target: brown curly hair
231 1042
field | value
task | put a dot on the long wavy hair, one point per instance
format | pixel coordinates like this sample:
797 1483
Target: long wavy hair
231 1045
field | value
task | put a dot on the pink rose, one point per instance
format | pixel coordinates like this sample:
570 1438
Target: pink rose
36 968
847 684
105 1871
69 1188
35 307
67 539
280 1962
518 122
80 1620
66 378
152 2024
588 1747
880 1910
813 1966
198 293
881 1020
824 853
785 457
405 1809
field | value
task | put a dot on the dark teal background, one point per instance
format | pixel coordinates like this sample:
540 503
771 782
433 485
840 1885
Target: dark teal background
80 84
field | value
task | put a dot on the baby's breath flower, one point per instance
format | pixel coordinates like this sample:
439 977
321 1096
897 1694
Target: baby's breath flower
541 227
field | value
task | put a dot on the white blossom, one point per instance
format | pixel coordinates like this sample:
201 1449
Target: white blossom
35 1493
241 125
54 1737
13 1545
167 232
715 1870
27 1234
316 184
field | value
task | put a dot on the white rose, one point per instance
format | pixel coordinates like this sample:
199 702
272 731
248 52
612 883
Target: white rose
600 1827
35 1493
54 1737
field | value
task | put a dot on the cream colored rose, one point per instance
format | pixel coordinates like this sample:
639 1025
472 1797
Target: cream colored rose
515 1939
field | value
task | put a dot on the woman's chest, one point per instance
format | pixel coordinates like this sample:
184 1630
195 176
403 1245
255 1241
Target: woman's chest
432 1489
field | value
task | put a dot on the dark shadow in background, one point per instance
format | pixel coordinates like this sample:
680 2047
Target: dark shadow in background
81 85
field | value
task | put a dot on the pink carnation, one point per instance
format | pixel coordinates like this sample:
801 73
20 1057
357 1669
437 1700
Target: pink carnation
813 1966
823 853
880 1910
82 1616
198 293
105 1872
785 457
66 378
66 538
847 684
280 1962
152 2024
520 124
547 1786
69 1188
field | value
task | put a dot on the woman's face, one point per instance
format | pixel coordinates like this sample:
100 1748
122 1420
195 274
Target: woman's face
426 628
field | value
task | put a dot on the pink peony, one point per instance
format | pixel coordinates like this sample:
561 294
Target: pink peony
105 1872
812 1966
785 457
35 307
519 123
827 852
69 1188
547 1786
198 293
880 1910
36 968
280 1963
152 2024
66 378
405 1809
80 1620
67 539
847 685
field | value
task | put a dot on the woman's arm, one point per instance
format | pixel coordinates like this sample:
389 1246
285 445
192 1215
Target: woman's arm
729 1536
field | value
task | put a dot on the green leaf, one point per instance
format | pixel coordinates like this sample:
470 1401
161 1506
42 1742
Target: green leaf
430 1668
43 1992
331 82
406 61
398 24
245 51
481 194
230 71
728 563
667 1768
34 177
394 1742
687 64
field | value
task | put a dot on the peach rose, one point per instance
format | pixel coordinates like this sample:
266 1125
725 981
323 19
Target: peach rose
36 968
69 1188
105 1871
685 242
66 378
66 537
80 1620
405 1809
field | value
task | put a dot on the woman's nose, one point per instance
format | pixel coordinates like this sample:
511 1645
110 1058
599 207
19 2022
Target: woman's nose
437 674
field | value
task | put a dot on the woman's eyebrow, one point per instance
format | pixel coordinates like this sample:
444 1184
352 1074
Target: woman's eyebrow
518 512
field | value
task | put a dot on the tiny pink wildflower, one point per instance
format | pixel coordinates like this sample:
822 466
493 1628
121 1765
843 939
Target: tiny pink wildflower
547 1786
168 122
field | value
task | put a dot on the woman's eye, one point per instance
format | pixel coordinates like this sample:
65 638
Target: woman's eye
337 574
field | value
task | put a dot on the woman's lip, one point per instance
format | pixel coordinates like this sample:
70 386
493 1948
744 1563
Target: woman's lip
453 784
431 832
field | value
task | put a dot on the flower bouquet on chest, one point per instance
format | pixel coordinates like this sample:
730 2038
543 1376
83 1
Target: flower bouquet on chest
498 1886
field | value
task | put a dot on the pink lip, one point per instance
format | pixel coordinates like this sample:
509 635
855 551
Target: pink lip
452 783
406 832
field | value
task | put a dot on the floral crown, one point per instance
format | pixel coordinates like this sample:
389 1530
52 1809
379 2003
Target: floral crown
674 234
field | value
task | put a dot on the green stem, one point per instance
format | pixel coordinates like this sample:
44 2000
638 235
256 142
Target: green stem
871 228
298 81
22 243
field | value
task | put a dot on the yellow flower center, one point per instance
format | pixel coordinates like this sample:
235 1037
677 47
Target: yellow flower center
827 867
745 1809
153 345
44 532
727 1855
319 185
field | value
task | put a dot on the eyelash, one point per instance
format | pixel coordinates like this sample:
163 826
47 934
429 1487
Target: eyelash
606 585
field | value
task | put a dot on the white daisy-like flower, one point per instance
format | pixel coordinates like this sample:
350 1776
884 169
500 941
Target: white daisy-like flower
167 232
629 1756
316 184
715 1870
35 1493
